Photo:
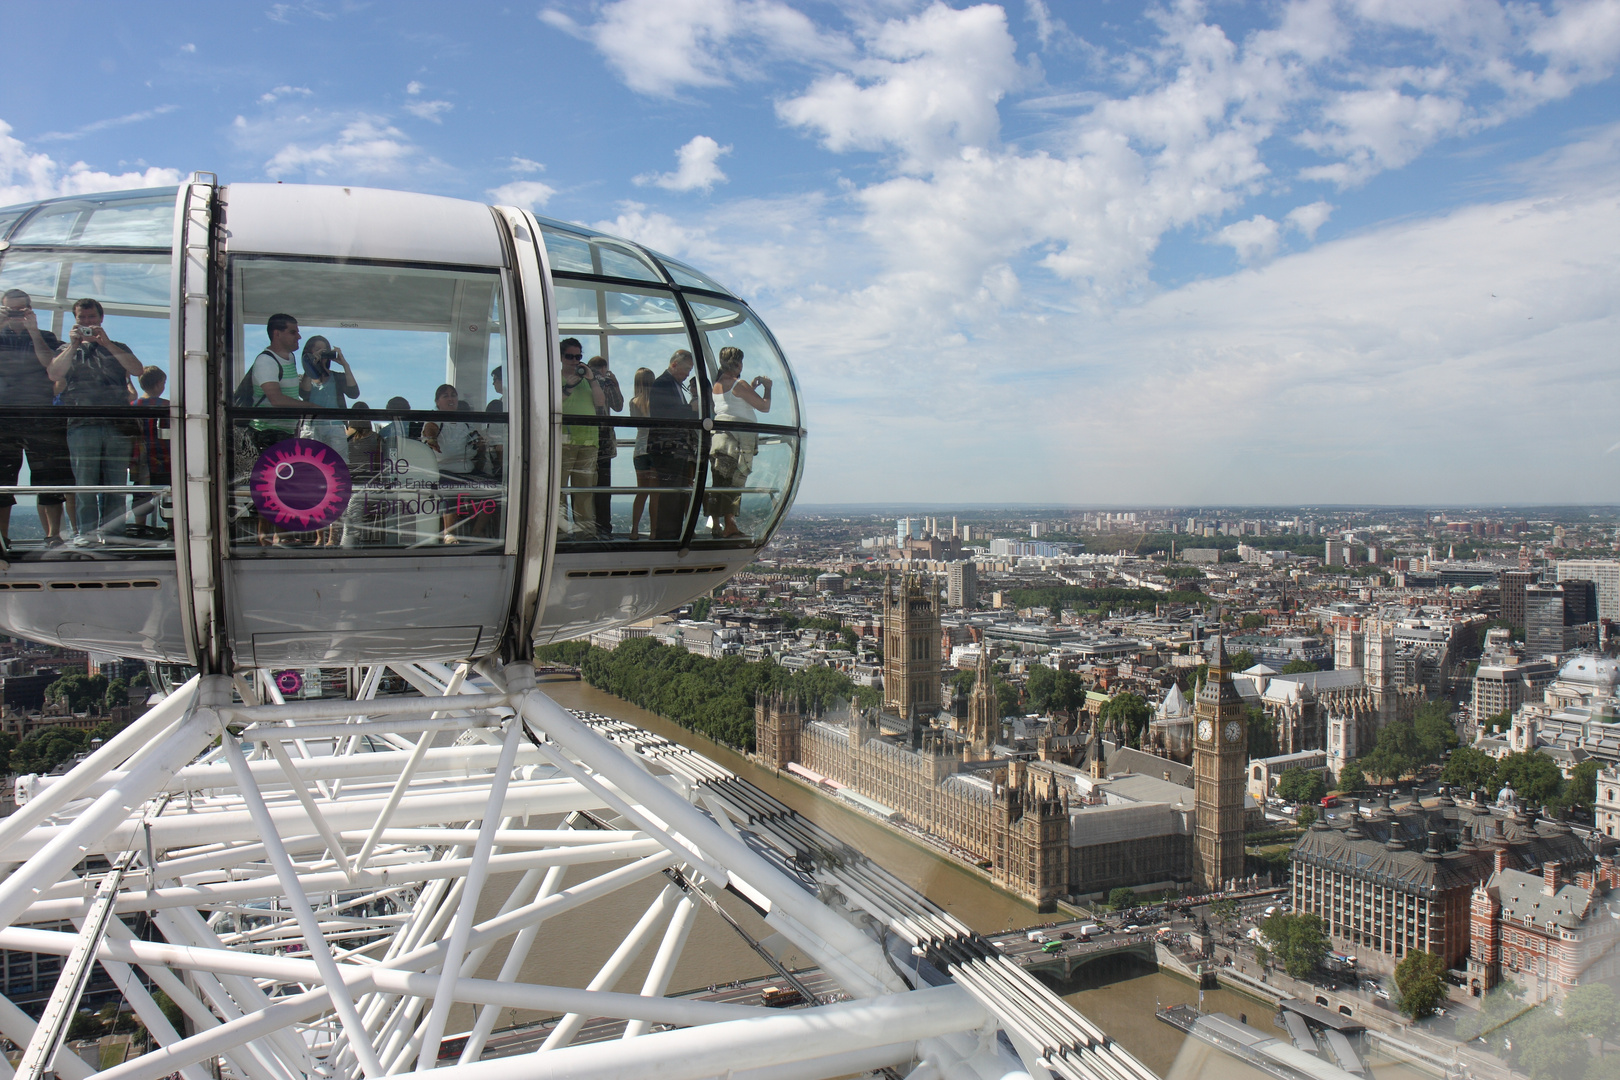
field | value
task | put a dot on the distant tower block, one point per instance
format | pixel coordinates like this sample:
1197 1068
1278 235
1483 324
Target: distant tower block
1220 756
911 639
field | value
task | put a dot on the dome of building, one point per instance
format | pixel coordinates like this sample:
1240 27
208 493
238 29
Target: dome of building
1601 673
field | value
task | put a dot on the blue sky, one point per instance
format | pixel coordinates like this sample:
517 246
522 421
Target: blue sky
1362 251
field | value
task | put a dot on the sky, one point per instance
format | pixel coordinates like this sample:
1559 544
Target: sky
1112 253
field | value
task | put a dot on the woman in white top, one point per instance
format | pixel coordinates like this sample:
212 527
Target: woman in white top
741 401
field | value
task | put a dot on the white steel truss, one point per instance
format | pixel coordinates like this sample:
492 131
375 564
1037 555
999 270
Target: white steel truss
312 870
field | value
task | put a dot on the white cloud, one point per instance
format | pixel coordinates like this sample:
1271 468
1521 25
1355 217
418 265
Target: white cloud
101 125
428 110
925 86
270 97
1374 130
1047 27
1254 240
364 146
527 193
1394 341
1310 217
188 47
26 175
524 165
413 87
661 47
697 168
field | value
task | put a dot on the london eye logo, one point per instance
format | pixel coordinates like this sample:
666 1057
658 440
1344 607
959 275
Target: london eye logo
300 484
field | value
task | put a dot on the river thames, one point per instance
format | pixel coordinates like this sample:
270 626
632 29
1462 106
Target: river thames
1122 1000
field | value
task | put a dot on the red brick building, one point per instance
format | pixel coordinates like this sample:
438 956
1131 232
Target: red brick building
1545 931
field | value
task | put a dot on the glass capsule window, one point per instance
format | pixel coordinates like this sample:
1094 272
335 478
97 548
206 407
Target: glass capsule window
573 252
664 438
368 410
84 344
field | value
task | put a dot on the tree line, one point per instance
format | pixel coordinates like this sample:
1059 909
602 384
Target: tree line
714 697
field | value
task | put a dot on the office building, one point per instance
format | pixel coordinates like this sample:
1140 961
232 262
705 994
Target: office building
1580 601
1548 931
1544 620
1503 684
1605 574
963 588
1513 583
1394 881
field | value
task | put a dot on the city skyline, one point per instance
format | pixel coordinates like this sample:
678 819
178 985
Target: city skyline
1202 254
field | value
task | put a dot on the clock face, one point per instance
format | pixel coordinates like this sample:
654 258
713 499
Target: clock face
1233 730
1205 730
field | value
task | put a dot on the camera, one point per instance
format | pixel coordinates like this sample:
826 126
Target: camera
328 355
580 371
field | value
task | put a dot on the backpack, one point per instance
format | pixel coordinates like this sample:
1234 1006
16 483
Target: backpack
243 397
247 395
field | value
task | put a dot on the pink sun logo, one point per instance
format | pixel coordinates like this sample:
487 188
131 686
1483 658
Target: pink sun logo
289 681
300 484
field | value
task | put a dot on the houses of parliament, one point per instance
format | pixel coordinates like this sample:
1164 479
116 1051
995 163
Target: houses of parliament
1075 817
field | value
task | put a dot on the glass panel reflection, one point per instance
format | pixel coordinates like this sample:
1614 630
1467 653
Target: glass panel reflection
85 442
113 220
635 485
750 474
728 326
392 337
685 275
626 487
570 252
394 481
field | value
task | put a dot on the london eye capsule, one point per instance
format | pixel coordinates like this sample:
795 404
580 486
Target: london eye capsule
266 425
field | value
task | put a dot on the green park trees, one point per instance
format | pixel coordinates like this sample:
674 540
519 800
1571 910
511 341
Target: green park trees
1406 746
1540 1042
1533 776
1127 714
1301 786
1420 979
712 696
1470 769
1593 1010
1298 941
1051 691
1351 778
1298 667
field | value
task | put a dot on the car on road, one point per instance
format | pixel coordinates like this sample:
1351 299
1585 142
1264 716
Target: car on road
1066 936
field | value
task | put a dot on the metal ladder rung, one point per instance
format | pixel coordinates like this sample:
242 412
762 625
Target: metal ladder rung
40 1057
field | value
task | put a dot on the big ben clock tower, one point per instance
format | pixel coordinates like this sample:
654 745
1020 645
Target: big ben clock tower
1220 757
